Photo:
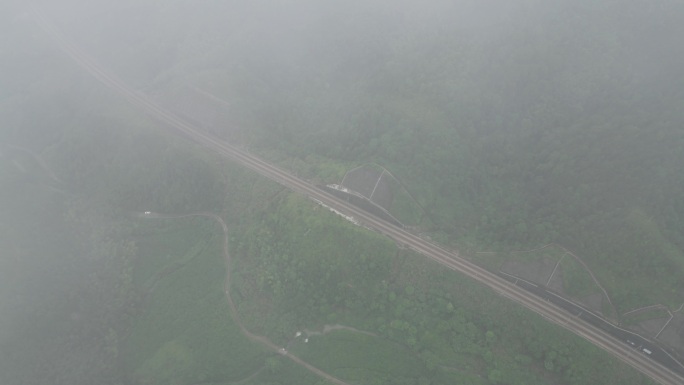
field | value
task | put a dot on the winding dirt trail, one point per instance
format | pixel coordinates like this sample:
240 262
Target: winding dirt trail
233 309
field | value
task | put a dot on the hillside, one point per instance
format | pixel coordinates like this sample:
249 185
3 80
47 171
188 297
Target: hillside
506 127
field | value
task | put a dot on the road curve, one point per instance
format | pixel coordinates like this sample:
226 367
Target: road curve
448 258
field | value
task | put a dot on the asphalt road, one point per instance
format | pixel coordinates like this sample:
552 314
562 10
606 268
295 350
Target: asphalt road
635 341
448 258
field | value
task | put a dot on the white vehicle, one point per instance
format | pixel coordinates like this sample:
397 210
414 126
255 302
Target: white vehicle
646 351
148 212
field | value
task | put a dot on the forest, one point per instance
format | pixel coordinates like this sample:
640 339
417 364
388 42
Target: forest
512 125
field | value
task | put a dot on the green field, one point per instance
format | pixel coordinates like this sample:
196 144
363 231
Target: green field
185 333
362 359
165 245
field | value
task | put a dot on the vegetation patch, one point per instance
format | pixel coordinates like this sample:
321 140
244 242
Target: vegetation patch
360 358
185 333
298 269
577 281
646 315
557 123
165 245
381 187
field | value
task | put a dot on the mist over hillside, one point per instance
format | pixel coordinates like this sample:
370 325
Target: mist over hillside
511 125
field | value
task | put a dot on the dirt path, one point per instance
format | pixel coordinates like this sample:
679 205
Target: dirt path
680 308
448 258
657 306
233 309
647 308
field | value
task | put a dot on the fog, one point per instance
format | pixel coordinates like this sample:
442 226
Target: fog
504 125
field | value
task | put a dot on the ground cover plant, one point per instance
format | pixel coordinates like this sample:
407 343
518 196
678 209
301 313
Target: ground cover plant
508 140
296 271
65 293
166 245
362 358
185 334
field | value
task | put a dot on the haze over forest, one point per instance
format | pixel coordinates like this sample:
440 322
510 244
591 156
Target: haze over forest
541 139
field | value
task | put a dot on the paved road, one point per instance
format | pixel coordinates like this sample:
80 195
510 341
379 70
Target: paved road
635 341
448 258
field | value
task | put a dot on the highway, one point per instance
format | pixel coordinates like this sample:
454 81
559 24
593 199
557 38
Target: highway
636 341
448 258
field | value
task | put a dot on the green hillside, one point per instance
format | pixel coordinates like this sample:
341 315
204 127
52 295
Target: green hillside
508 126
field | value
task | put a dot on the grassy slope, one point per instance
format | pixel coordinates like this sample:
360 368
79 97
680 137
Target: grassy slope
186 333
165 245
360 358
30 211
